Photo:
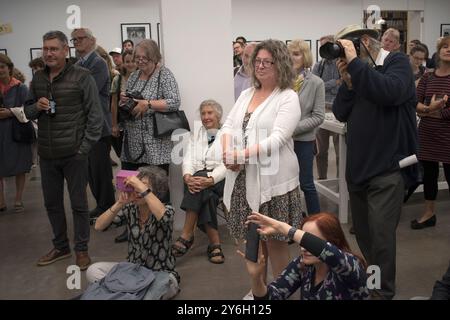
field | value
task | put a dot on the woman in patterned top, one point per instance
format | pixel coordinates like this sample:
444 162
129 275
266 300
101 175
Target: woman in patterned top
159 89
149 224
434 130
325 270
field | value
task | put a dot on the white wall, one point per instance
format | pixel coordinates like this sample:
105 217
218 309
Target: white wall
290 19
197 46
32 19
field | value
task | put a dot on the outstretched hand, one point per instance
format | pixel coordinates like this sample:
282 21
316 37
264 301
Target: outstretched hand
267 226
255 269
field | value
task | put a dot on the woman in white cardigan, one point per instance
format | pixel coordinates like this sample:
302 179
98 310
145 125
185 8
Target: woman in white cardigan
203 174
262 173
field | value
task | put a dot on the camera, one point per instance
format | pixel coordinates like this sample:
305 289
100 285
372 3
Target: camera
126 108
334 50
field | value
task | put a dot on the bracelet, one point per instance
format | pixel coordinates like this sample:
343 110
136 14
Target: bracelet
291 233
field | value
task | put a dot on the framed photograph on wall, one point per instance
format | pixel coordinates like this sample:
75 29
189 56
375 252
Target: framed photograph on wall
317 50
158 33
35 53
72 52
4 51
445 30
136 32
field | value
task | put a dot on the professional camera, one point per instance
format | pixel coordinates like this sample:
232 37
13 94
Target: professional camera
126 108
334 50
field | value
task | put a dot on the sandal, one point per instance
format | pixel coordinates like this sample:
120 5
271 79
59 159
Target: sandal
18 207
178 250
215 256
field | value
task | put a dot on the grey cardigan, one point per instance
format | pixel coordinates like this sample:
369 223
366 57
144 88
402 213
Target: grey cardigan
312 105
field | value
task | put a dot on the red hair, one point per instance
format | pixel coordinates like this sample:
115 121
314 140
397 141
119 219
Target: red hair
331 229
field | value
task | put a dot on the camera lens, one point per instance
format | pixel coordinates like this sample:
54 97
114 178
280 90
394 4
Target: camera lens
331 50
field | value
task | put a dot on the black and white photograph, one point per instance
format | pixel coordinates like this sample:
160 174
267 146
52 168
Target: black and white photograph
4 51
445 30
136 32
35 53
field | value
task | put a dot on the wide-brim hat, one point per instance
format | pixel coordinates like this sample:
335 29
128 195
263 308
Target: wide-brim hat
355 31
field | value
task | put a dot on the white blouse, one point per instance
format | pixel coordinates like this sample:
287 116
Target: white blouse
275 171
199 155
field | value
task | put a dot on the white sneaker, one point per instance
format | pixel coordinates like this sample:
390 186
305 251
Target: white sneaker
248 296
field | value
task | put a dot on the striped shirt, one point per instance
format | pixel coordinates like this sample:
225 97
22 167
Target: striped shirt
434 133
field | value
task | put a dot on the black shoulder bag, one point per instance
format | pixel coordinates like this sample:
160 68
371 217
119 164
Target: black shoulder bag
164 123
22 132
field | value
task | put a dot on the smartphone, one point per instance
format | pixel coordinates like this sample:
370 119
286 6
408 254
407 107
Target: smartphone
252 244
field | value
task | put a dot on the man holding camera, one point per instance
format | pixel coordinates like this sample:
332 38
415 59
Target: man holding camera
65 137
378 104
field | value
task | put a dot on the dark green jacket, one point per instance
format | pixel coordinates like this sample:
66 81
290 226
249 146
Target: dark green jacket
77 125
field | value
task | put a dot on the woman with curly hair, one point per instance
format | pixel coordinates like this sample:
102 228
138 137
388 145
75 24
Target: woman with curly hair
258 149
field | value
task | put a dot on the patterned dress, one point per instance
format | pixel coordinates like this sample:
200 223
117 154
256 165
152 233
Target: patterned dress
286 208
138 134
151 245
346 278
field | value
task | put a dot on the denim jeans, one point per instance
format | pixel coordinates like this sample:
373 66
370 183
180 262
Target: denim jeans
305 156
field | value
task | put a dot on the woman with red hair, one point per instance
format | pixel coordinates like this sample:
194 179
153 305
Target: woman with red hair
326 269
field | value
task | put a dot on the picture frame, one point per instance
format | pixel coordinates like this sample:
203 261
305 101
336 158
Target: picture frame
158 33
445 29
4 51
135 32
72 52
317 50
35 53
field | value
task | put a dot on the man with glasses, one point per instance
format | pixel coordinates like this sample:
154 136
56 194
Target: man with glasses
100 170
65 99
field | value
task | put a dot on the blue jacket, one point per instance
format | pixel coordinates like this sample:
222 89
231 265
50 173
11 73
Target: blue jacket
381 119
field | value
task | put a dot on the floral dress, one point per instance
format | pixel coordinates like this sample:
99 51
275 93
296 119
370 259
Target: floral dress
286 208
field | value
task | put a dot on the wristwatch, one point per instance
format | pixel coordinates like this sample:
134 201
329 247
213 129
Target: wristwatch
146 192
291 233
149 104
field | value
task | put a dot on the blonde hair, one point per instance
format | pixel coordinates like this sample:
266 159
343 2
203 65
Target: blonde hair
304 49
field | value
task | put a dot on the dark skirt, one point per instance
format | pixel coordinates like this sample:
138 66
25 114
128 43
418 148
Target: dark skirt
204 203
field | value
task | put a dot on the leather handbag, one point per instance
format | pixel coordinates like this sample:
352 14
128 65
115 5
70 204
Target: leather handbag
164 123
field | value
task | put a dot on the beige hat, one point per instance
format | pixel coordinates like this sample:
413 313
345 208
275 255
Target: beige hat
115 50
355 30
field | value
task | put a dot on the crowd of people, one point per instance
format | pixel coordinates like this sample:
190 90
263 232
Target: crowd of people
257 160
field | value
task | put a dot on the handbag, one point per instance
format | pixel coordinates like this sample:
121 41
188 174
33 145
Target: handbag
22 132
164 123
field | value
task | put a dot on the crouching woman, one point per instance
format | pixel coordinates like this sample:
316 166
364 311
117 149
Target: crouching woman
149 224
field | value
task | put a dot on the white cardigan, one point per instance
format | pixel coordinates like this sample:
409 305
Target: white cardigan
200 156
271 126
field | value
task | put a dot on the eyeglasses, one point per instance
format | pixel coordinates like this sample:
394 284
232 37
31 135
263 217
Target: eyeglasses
77 39
265 63
143 59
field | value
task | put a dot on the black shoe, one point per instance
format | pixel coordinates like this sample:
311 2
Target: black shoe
430 222
123 237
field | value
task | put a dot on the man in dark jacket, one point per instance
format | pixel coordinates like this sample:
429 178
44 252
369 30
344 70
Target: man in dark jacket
65 100
378 105
100 170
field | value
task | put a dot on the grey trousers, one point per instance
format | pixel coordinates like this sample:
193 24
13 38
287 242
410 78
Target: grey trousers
323 139
74 171
376 212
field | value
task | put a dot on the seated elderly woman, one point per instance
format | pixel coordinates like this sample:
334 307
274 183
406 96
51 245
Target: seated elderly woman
149 224
203 175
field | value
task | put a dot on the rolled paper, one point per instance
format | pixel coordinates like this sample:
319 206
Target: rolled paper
408 161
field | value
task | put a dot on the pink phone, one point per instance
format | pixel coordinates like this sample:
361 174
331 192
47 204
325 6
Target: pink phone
121 176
